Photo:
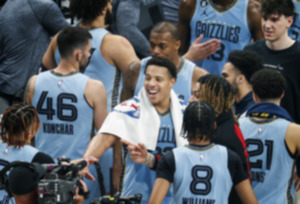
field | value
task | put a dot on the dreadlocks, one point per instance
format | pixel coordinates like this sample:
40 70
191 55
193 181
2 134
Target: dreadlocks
17 122
216 91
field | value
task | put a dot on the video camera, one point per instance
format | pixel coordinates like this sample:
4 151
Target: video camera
135 199
59 183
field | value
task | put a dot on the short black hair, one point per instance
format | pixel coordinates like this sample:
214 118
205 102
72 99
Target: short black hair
246 61
198 121
268 84
71 38
280 7
87 9
166 27
163 62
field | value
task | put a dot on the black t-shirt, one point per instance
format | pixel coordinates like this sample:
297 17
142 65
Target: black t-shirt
287 62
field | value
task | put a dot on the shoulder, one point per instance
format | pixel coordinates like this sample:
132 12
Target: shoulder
118 40
256 44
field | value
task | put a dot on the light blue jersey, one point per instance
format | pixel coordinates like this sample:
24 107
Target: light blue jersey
229 26
65 116
99 69
139 178
294 30
201 175
270 162
10 154
183 85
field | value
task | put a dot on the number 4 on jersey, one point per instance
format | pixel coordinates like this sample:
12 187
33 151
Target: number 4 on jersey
61 106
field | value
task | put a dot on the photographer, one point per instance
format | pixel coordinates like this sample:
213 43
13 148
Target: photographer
23 183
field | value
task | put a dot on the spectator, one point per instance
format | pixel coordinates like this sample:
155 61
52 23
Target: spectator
26 28
279 51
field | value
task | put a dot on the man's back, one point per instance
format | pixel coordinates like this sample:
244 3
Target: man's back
66 118
26 28
270 160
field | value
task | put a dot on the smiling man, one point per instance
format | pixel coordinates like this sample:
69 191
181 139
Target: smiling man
152 118
279 51
164 42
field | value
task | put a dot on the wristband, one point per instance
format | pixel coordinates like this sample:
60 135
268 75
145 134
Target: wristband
149 159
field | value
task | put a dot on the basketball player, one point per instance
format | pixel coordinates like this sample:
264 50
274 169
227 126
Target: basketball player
233 22
201 172
272 139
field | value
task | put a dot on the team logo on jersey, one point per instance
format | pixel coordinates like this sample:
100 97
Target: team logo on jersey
201 156
203 3
260 130
59 83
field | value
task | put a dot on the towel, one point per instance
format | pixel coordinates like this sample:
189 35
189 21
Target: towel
137 121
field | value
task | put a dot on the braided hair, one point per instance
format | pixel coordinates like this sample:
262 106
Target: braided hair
17 122
216 91
198 121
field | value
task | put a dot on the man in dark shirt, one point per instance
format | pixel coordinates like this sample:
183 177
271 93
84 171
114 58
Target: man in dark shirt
238 71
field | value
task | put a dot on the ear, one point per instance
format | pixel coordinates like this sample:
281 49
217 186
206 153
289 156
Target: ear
240 79
282 95
78 55
255 97
290 20
178 44
173 81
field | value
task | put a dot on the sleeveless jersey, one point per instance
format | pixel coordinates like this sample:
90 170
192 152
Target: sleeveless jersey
139 178
10 154
229 26
270 162
65 116
99 69
183 85
201 175
294 30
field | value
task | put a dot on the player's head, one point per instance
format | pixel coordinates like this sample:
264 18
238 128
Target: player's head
216 91
160 76
19 124
199 121
277 18
164 40
268 84
240 67
88 10
74 42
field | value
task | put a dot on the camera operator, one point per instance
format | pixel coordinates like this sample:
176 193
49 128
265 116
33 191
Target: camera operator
23 183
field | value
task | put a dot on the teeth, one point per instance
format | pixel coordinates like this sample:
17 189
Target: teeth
152 91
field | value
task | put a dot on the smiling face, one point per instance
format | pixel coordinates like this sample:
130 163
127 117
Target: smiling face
158 84
275 27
